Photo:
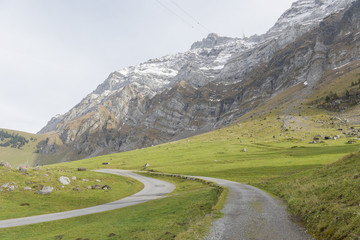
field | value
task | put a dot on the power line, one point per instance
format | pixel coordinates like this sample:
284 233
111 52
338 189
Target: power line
189 15
177 15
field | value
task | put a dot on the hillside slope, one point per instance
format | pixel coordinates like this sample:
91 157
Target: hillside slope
22 147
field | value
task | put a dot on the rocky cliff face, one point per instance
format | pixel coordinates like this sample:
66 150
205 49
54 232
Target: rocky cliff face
215 82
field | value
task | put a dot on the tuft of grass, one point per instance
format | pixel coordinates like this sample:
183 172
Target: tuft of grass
327 198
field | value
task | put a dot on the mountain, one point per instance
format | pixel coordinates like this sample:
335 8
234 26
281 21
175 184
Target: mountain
214 83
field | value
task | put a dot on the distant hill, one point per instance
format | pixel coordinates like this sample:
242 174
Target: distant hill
21 148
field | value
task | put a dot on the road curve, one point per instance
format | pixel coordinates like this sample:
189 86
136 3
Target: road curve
153 189
250 213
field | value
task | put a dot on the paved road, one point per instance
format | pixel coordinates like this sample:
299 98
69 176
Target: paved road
250 213
153 189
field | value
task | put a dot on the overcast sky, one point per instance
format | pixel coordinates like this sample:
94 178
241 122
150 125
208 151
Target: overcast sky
54 53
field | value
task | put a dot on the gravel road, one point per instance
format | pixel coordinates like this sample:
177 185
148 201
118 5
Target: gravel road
250 213
153 189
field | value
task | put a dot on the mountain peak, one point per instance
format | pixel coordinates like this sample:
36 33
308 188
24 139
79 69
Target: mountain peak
210 41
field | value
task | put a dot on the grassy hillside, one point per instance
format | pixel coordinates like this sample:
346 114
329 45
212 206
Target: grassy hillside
24 155
326 198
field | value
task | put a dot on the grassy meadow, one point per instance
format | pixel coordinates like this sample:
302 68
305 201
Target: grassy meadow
185 214
23 203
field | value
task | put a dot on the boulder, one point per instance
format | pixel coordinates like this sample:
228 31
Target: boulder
64 180
96 186
45 190
5 164
22 169
106 187
244 150
9 186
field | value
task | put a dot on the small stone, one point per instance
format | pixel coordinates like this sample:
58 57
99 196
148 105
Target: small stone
357 176
64 180
45 190
244 150
44 175
37 168
97 180
111 235
77 189
88 187
22 169
147 165
73 178
96 186
106 187
81 169
5 164
27 188
11 188
25 204
105 163
85 180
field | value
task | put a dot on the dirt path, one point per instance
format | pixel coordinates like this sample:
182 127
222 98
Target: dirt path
250 213
153 189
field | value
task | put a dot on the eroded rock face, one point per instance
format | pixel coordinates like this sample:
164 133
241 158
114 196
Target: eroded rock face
218 80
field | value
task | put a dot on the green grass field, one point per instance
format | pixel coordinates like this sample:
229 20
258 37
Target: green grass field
63 198
185 214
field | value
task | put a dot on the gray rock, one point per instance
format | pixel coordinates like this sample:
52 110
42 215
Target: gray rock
147 165
64 180
27 188
45 190
9 186
73 178
5 164
81 169
96 186
77 189
22 169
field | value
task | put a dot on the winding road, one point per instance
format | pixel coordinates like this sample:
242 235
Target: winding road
153 189
249 213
